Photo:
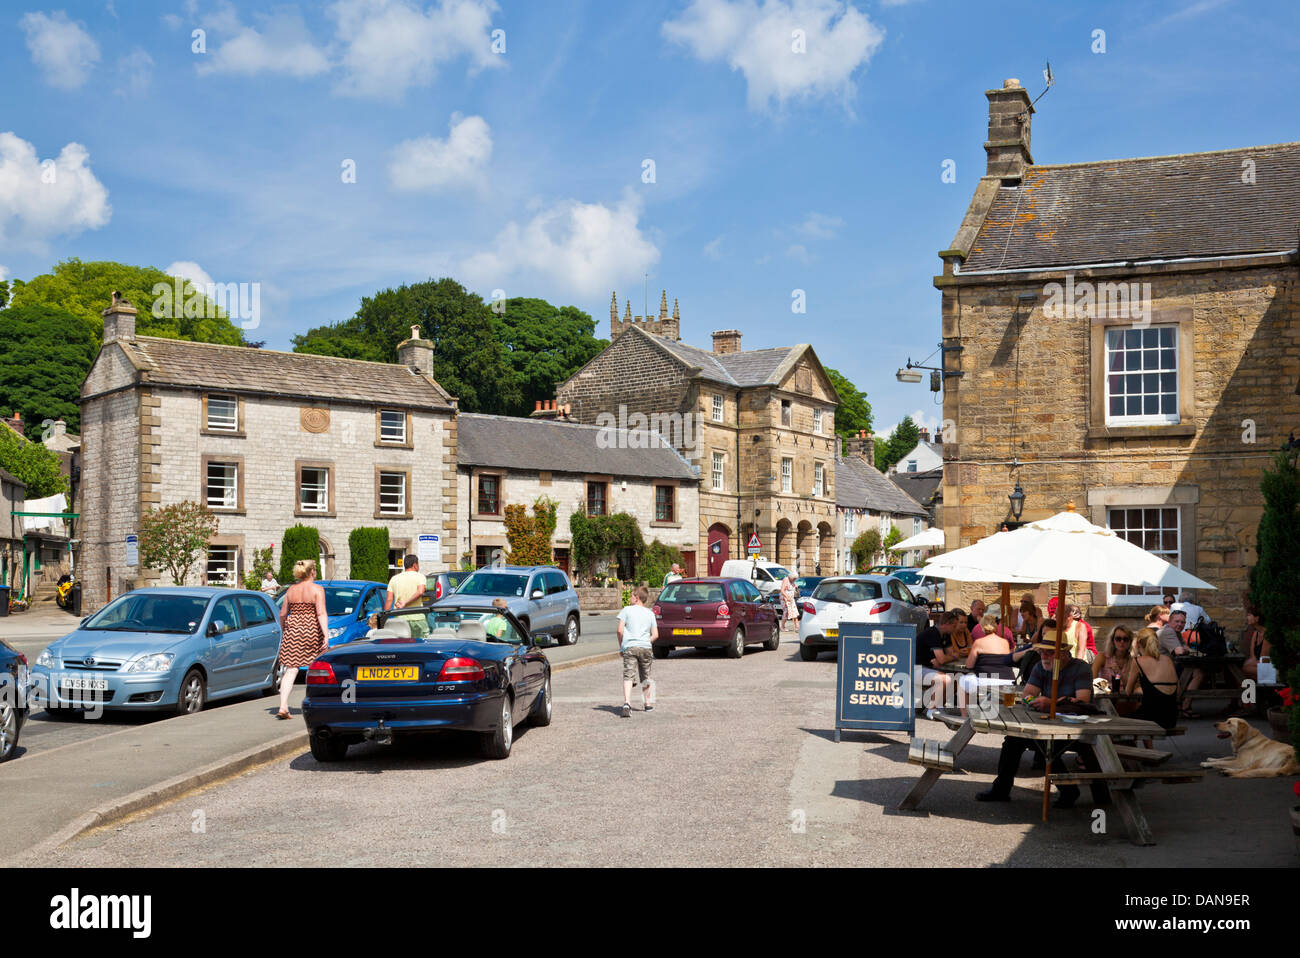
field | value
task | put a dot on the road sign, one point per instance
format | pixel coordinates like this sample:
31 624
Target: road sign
873 683
755 544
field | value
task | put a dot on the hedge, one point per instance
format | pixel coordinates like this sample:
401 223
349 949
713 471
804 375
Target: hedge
368 553
300 542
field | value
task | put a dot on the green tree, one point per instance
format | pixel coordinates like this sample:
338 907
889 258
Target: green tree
468 359
263 562
45 353
892 538
1275 578
854 412
544 345
173 538
865 547
37 467
655 561
900 442
300 542
368 553
86 289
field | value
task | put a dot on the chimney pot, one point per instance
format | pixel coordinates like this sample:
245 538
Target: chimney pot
1011 84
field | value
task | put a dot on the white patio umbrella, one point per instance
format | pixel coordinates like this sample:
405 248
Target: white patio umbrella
929 539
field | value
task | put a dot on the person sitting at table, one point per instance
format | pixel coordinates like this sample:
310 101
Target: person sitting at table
959 636
1154 671
991 624
1029 619
977 610
933 650
989 658
1074 684
1157 617
1254 643
1115 658
1084 643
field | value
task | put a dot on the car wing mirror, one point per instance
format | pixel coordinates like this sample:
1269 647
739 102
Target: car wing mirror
537 593
544 641
215 627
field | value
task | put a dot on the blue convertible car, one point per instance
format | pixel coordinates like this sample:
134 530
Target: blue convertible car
429 670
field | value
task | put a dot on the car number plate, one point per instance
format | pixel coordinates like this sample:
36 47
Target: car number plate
388 673
84 685
832 633
688 631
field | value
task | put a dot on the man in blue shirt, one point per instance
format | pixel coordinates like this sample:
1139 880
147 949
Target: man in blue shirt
1075 685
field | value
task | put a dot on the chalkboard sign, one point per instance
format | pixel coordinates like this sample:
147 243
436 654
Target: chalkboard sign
873 684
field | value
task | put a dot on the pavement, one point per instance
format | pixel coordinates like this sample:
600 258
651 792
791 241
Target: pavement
736 766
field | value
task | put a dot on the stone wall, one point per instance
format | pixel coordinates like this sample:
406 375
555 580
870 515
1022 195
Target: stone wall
110 482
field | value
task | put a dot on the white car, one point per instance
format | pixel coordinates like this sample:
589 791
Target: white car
923 586
863 598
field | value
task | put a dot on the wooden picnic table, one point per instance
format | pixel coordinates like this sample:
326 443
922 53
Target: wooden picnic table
1097 731
1228 666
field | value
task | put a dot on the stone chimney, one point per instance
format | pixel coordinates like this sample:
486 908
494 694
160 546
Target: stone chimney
119 321
863 446
60 429
726 341
1008 142
925 434
549 409
416 353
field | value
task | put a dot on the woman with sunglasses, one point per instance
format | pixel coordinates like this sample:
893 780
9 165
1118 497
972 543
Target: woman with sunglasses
1115 659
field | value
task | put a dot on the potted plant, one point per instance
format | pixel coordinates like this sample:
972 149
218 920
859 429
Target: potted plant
1279 716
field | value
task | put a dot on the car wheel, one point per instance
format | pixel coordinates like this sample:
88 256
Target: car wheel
774 643
661 651
571 631
8 731
807 653
496 744
194 693
737 646
277 673
541 715
329 748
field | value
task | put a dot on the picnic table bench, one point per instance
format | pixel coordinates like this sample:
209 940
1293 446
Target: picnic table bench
1214 666
1099 732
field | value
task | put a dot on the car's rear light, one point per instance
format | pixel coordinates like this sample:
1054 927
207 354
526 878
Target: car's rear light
724 612
461 669
656 611
879 607
22 658
809 608
321 673
437 589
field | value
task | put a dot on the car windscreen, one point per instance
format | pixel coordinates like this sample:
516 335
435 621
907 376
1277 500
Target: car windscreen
494 583
846 590
685 593
910 576
475 625
341 599
142 612
777 572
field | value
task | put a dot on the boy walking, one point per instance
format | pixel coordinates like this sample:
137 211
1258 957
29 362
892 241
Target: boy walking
637 630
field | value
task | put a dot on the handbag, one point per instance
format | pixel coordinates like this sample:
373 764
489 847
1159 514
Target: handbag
1266 672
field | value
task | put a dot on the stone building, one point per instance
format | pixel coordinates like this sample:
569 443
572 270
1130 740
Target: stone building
758 425
865 498
510 461
267 440
1129 342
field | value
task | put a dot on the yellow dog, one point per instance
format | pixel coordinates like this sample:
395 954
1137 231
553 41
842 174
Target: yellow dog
1253 754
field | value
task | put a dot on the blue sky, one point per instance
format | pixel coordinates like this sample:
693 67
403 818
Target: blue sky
523 170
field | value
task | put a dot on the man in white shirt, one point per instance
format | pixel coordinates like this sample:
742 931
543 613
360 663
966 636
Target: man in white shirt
1187 604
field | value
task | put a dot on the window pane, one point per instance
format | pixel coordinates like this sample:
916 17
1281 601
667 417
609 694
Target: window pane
1116 359
1133 406
1116 385
1167 360
1168 382
1150 405
1132 338
1168 405
1150 358
1167 336
1149 338
1150 382
222 490
1133 360
314 494
392 425
392 492
1169 518
223 413
1150 518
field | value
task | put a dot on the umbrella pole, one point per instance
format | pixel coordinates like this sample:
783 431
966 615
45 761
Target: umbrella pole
1006 605
1056 689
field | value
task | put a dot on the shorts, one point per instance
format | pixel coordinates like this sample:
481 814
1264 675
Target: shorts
637 661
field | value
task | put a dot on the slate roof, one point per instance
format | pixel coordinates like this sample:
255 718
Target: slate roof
510 442
750 367
860 485
924 487
176 362
1152 208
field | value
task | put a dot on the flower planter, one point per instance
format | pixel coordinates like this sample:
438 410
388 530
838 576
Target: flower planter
1277 718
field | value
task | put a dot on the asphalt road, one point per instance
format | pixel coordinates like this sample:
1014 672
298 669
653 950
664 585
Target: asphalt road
44 731
736 766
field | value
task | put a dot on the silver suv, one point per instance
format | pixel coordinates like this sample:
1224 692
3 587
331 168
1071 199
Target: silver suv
540 596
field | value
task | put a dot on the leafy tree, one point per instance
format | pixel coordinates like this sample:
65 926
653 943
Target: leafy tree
263 563
37 467
900 442
529 537
173 538
865 547
4 293
854 412
45 353
469 361
892 538
596 539
544 345
368 553
1275 578
655 561
300 542
86 289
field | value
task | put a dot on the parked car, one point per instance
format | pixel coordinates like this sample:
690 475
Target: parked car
765 575
885 569
924 586
541 597
442 584
807 583
704 613
161 649
13 698
349 603
469 670
883 598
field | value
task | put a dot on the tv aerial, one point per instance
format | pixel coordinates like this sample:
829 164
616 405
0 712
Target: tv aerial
1049 78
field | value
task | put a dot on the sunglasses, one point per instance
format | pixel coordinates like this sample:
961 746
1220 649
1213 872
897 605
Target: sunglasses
1122 638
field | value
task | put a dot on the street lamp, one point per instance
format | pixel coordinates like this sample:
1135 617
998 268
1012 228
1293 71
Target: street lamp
1017 498
906 375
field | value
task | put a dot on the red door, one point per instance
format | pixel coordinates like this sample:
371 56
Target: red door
719 548
688 564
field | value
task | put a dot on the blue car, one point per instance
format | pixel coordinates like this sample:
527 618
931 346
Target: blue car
162 649
13 698
349 603
427 670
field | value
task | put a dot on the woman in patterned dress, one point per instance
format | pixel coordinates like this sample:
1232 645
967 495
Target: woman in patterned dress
789 598
303 626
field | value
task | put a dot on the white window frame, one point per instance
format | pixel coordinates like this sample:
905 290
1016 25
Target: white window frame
1154 592
384 428
717 408
787 474
1142 419
911 465
719 464
231 499
400 508
323 503
229 579
817 421
819 479
223 424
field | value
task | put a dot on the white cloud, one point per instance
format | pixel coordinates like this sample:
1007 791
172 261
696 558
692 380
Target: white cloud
758 37
428 163
63 50
799 252
39 201
282 45
190 270
171 21
4 274
135 72
391 45
585 247
713 249
820 226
